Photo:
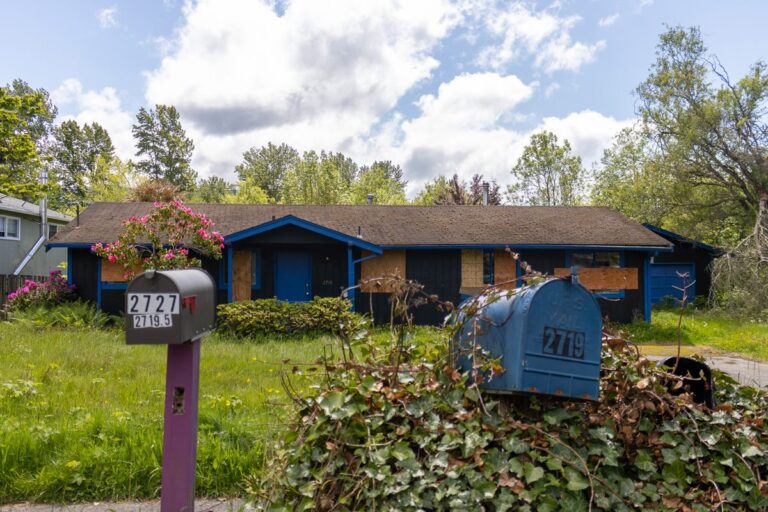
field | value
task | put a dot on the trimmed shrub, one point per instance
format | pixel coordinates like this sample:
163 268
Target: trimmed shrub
48 293
271 316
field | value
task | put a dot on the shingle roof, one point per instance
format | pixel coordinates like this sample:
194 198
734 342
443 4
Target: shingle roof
402 225
11 204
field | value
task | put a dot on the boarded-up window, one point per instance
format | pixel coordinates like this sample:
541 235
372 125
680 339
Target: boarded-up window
115 273
604 278
471 268
505 269
242 272
391 263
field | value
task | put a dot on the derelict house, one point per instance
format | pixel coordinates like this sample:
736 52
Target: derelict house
296 252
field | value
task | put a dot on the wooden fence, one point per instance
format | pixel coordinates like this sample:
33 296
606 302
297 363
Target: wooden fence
9 283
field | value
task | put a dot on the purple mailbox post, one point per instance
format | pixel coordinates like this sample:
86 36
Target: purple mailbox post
174 308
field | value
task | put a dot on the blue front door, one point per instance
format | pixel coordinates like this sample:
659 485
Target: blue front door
293 276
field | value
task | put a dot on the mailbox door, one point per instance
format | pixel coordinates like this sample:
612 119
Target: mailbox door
561 338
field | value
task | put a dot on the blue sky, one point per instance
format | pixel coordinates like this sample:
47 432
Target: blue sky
438 86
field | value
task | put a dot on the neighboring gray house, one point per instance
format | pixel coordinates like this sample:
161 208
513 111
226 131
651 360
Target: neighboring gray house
20 236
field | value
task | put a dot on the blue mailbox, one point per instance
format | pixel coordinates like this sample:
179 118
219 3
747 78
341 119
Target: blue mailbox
548 337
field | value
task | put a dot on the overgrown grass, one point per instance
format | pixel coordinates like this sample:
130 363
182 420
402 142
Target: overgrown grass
81 412
704 327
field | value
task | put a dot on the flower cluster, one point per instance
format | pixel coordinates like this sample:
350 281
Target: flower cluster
163 239
54 290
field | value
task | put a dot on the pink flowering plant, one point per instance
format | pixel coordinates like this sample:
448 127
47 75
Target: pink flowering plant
50 292
164 239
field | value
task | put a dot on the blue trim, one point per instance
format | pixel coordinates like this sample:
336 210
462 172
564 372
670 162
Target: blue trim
518 270
680 238
301 223
607 248
229 273
98 283
114 286
604 295
79 245
69 267
647 288
351 276
222 277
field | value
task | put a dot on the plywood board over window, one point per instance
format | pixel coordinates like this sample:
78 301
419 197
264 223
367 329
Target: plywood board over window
115 273
390 263
241 275
604 278
471 268
504 269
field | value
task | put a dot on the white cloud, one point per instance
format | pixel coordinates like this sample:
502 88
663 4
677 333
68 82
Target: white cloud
316 76
543 35
607 21
107 17
589 132
103 107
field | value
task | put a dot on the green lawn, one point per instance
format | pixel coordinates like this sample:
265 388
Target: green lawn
81 413
703 327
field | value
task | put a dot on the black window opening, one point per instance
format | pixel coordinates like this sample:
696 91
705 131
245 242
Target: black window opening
488 276
601 259
52 230
256 269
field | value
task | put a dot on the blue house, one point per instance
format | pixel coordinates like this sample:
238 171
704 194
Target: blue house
296 252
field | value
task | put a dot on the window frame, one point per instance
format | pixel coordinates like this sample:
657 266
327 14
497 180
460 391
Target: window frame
491 272
5 236
605 294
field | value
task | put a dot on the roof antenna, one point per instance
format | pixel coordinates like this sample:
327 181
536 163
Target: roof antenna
359 232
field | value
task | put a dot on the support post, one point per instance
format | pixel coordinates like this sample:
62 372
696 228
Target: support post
647 288
350 276
182 378
229 273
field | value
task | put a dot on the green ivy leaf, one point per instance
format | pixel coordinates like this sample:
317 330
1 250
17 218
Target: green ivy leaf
533 473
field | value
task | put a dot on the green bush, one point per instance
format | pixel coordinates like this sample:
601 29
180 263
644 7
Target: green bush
69 315
253 318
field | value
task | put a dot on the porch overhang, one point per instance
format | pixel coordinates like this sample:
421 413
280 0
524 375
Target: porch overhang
290 220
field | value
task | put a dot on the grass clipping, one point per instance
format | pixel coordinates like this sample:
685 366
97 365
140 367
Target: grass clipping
401 429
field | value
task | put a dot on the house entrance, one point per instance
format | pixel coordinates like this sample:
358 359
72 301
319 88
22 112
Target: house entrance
293 276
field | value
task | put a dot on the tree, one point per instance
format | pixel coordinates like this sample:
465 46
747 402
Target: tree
639 182
547 174
163 146
267 167
213 190
316 179
382 179
116 181
25 119
432 191
75 152
710 130
248 192
454 191
151 191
